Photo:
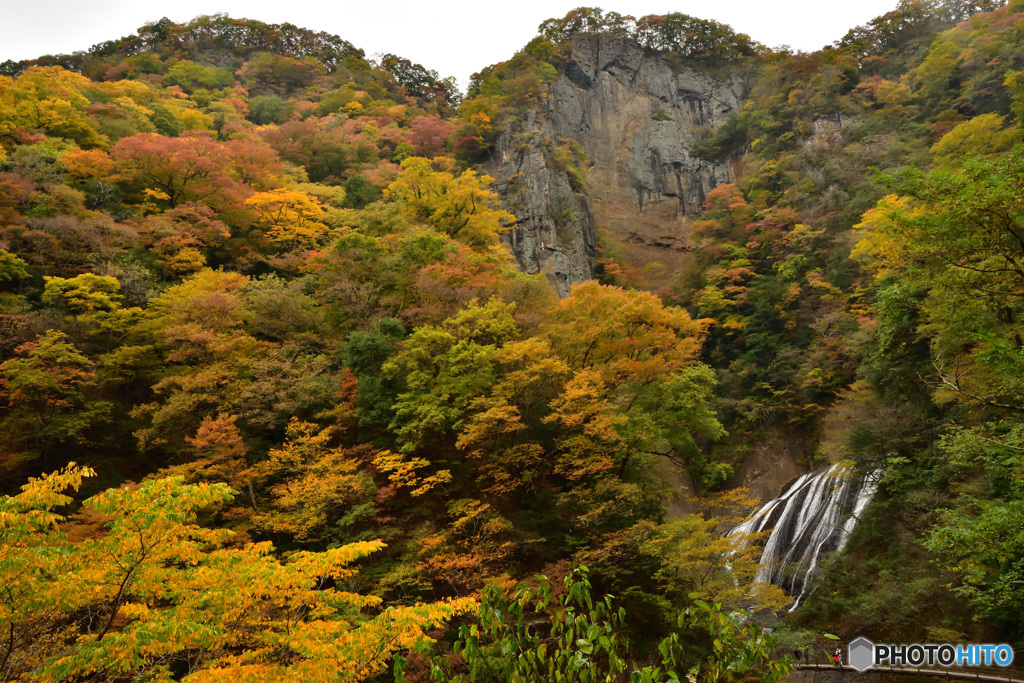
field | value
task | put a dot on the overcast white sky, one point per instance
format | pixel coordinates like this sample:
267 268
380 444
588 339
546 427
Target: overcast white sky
456 38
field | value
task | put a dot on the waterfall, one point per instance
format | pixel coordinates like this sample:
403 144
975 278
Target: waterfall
814 515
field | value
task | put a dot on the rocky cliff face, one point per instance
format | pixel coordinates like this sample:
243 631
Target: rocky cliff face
636 118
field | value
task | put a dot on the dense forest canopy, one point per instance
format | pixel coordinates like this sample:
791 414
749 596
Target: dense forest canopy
302 417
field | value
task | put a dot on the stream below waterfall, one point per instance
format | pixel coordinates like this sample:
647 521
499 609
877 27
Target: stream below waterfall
814 515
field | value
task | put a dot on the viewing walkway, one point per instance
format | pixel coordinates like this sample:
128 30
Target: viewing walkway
1008 675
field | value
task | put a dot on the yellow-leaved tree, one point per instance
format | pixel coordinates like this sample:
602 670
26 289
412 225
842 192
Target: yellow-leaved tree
291 218
461 206
141 591
311 484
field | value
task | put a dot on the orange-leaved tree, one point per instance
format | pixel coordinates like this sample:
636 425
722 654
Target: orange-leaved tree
637 387
612 375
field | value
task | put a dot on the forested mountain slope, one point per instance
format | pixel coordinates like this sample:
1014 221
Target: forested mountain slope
296 314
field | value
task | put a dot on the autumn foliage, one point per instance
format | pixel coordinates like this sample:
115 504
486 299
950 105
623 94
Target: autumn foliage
275 308
263 287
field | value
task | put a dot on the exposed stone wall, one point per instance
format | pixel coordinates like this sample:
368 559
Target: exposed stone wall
636 117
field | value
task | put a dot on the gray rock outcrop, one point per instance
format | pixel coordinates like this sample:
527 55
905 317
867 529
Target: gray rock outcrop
636 117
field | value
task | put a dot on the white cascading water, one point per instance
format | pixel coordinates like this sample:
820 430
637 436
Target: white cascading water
814 515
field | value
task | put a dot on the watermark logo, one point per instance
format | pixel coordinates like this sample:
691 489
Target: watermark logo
862 654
